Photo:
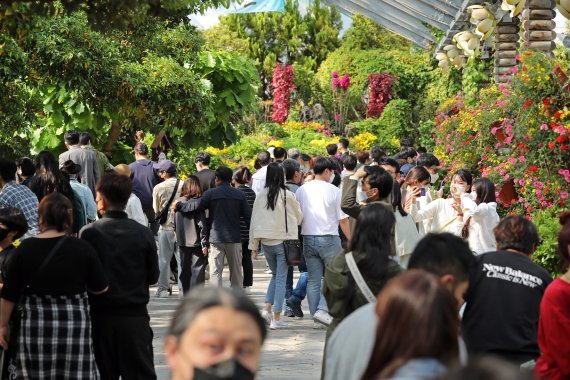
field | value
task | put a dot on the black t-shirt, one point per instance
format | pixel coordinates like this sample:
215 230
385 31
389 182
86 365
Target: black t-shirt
206 178
72 270
503 306
6 256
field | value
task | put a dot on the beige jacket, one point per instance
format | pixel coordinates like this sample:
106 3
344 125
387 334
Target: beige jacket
160 197
270 224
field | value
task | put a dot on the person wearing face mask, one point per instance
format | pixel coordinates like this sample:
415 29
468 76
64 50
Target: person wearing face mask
443 215
215 334
417 178
480 216
431 163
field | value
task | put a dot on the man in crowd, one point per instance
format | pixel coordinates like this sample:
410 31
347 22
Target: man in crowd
103 162
349 165
144 180
294 154
225 205
321 206
16 195
83 157
81 191
163 195
392 167
293 174
122 336
503 301
343 147
279 155
205 175
258 179
445 255
376 153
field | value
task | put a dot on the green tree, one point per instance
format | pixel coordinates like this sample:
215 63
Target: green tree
366 34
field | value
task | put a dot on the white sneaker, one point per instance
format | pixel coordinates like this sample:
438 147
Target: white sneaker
162 293
277 324
247 290
317 326
323 317
267 316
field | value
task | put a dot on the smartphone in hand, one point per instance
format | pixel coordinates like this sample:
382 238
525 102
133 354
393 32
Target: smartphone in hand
422 191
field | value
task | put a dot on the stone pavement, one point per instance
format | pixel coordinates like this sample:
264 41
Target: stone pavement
292 353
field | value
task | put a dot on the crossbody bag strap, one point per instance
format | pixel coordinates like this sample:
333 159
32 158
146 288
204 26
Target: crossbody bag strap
285 200
48 258
173 194
364 289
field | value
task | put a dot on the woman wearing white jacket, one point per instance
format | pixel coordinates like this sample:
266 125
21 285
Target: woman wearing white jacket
272 205
480 208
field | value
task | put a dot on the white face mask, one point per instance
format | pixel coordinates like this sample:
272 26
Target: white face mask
473 196
331 178
457 190
434 177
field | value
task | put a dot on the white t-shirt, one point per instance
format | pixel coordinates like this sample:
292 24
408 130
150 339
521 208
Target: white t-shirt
258 180
320 204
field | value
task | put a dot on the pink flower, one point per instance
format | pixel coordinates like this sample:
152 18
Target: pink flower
563 194
527 137
522 159
538 184
337 117
494 130
345 82
509 139
506 177
335 74
509 128
521 199
335 83
512 160
544 127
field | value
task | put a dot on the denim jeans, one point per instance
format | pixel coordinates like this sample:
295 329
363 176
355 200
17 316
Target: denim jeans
300 290
275 255
167 248
318 251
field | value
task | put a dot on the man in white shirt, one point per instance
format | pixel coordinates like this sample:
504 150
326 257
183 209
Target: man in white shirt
320 203
258 179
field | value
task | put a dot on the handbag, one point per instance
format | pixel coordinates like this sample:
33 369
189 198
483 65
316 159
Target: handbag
162 215
293 247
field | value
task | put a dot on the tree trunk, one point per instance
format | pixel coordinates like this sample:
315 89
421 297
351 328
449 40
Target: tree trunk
114 135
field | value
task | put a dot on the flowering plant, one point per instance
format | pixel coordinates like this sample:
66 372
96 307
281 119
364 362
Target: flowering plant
380 93
340 96
364 141
515 134
283 84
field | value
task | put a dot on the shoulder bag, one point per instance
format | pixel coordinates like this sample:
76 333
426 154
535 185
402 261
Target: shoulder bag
364 289
293 249
162 215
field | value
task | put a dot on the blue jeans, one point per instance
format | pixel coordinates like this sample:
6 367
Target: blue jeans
300 290
318 251
275 256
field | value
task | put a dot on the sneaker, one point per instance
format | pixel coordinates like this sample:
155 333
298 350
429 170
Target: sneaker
267 271
317 326
295 305
267 316
323 317
277 324
162 293
288 312
247 290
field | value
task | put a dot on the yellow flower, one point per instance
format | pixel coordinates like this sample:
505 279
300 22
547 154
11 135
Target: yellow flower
364 141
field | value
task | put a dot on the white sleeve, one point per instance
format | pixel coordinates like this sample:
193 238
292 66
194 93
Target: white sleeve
135 210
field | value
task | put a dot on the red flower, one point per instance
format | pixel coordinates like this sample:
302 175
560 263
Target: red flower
533 168
557 115
527 104
561 139
564 147
551 145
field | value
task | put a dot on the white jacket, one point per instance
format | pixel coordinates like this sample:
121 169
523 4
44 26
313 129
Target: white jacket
270 224
484 218
441 216
406 234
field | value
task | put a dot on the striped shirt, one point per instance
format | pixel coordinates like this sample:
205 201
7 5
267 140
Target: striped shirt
19 196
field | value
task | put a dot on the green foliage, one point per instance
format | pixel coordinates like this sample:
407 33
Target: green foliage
546 254
366 34
221 38
286 36
307 91
475 76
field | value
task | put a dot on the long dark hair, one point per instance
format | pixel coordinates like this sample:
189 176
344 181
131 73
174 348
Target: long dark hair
242 175
275 182
373 238
417 318
48 177
397 199
191 188
485 190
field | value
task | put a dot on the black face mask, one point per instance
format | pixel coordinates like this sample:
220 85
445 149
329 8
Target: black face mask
3 233
228 370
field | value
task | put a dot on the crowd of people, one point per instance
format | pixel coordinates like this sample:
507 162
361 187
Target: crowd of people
409 281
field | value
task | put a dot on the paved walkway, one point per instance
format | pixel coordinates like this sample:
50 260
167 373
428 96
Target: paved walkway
292 353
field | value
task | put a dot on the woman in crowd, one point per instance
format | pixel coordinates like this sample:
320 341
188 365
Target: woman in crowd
192 233
275 217
13 226
48 177
134 208
406 232
242 181
50 275
442 215
554 324
480 207
371 249
416 335
216 333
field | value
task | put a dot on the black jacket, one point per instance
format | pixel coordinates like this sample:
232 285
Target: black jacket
190 223
225 205
128 252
